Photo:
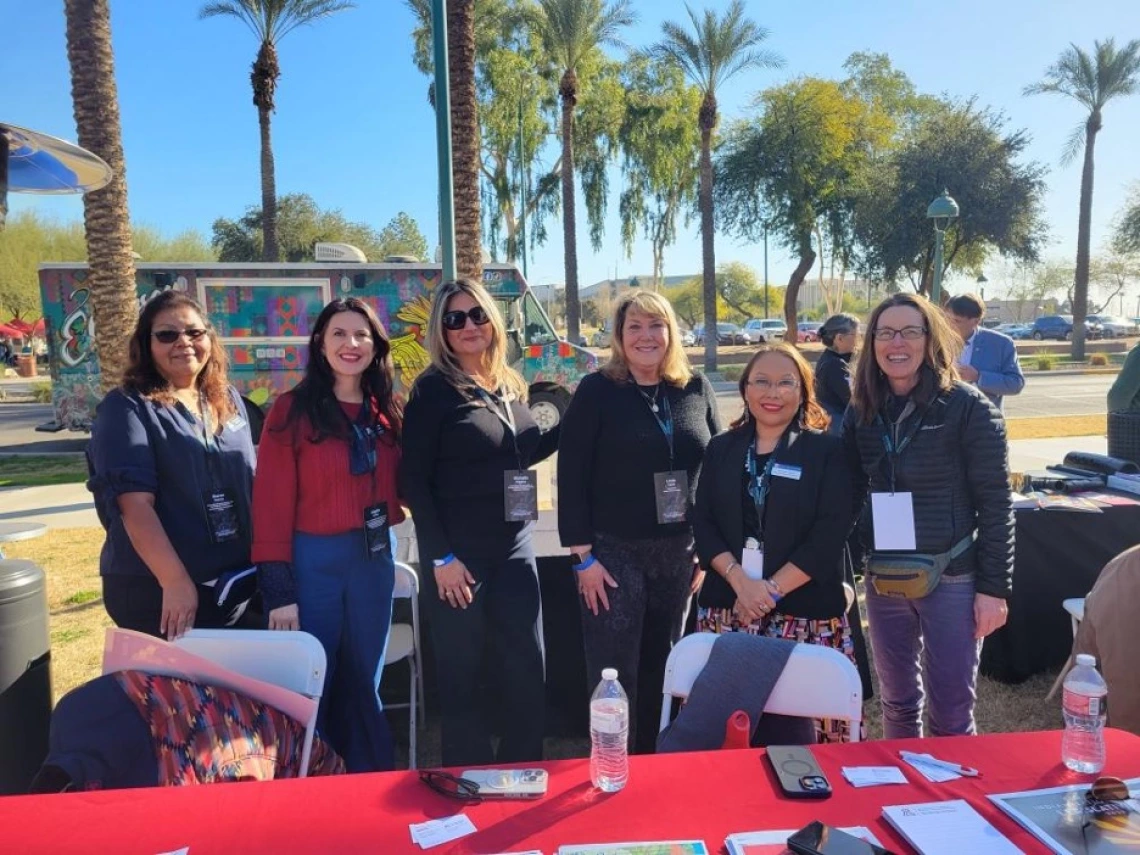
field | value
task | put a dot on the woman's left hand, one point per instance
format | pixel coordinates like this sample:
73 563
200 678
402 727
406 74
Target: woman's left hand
990 614
698 579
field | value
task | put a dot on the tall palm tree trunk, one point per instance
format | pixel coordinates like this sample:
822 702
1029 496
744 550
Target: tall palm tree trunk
568 90
105 214
264 77
1084 239
464 138
3 180
707 122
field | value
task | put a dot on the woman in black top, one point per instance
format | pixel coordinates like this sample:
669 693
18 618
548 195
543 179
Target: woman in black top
468 434
839 334
632 442
774 507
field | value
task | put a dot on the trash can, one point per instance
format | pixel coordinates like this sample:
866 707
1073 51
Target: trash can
26 365
25 674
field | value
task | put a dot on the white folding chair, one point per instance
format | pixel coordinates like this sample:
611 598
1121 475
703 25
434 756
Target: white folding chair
1076 609
404 643
817 681
285 670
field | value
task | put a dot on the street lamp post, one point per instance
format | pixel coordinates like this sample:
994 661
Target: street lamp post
982 280
766 272
943 211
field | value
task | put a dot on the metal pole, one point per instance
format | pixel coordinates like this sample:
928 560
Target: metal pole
936 289
443 137
765 272
523 189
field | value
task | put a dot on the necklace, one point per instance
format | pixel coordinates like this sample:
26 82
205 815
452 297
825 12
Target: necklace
652 401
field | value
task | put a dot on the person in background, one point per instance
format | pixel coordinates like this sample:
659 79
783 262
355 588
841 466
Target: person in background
773 510
469 442
171 466
632 442
839 334
324 501
1124 395
988 358
932 449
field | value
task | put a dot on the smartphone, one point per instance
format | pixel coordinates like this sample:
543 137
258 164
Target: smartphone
509 783
820 839
799 775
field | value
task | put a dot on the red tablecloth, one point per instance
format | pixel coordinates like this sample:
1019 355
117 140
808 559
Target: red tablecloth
699 795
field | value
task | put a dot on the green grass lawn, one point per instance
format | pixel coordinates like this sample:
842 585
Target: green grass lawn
41 470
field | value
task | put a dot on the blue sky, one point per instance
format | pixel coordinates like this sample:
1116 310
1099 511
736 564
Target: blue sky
353 127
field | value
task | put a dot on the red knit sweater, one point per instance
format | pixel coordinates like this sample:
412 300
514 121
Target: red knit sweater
306 486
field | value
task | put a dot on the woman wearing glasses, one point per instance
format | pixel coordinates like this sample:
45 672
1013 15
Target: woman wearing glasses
171 462
774 507
931 451
632 442
839 334
469 441
324 501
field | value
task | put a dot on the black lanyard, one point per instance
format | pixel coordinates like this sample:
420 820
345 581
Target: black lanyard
209 441
760 482
363 433
893 451
507 417
664 419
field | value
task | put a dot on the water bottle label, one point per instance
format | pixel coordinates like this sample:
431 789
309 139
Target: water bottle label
607 722
1075 703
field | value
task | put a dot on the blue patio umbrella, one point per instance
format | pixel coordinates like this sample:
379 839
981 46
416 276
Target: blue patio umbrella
32 162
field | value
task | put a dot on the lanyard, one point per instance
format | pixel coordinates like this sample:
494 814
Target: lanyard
760 482
665 419
363 433
209 441
893 450
508 419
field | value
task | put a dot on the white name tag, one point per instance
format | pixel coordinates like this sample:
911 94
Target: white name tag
752 562
784 470
893 518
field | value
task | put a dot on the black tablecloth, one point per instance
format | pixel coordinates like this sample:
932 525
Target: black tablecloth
1059 556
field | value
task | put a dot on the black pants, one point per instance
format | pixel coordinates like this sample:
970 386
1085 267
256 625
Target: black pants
135 602
498 637
644 621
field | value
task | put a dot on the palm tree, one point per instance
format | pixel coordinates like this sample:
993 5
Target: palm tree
271 21
95 100
465 149
572 31
711 53
1092 81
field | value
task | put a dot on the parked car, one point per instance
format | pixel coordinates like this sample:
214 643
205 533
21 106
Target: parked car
1060 327
761 330
1015 331
726 333
807 331
601 337
688 338
1113 327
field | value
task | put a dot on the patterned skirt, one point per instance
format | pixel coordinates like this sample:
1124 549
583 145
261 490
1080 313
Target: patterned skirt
830 632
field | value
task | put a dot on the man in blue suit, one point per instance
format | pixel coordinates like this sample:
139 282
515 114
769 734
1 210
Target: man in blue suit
989 359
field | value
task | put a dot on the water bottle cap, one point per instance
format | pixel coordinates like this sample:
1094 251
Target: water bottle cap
1086 659
609 673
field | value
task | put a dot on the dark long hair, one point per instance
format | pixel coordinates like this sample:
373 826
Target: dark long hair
811 414
142 376
313 397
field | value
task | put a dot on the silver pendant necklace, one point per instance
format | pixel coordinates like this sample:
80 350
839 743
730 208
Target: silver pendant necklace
653 408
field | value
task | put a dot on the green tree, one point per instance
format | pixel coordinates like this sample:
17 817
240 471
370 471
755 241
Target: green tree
270 21
740 290
1092 80
1126 233
402 236
711 53
573 32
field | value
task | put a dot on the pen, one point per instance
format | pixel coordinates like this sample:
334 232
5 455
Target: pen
966 771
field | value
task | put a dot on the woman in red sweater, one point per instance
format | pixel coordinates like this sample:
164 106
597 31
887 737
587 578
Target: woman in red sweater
324 499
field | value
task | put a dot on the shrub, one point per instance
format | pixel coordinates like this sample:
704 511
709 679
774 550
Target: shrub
732 372
41 392
1045 361
1099 359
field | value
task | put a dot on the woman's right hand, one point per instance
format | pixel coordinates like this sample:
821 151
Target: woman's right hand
753 598
179 605
455 584
285 617
592 586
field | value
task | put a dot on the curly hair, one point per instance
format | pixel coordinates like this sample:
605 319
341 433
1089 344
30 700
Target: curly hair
811 415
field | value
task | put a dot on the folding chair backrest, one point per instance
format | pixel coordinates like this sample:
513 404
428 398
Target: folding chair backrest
407 582
293 660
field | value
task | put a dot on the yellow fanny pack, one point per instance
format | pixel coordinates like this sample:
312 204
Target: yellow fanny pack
912 575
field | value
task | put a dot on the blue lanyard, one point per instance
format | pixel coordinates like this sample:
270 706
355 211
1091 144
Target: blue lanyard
759 483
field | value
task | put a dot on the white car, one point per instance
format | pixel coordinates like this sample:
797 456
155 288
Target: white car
762 330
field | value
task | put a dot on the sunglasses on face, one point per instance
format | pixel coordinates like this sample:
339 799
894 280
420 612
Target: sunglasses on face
171 336
457 318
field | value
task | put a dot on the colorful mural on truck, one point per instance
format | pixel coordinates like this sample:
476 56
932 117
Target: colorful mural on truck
263 315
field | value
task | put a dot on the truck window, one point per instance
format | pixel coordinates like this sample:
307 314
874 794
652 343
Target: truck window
536 325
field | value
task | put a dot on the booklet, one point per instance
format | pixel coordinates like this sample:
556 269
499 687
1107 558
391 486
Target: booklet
653 847
775 842
1064 820
950 827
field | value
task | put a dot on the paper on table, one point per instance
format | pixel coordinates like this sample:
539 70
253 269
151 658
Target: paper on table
185 850
437 831
934 774
893 517
950 827
873 776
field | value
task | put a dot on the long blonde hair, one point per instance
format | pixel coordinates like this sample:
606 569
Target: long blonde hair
502 376
675 368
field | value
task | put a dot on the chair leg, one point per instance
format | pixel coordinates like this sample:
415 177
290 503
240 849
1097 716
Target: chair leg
420 688
412 712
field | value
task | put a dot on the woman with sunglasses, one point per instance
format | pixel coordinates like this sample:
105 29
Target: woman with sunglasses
931 451
324 502
632 443
171 461
772 515
469 441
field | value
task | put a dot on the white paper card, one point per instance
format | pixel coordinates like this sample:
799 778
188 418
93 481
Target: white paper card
873 776
951 827
932 773
437 831
752 563
893 516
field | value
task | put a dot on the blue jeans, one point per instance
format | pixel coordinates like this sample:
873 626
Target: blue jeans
345 600
926 647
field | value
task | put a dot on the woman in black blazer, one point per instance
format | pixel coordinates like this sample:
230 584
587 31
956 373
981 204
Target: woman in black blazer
772 514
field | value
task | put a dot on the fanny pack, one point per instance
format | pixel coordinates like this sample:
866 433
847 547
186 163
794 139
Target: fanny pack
912 575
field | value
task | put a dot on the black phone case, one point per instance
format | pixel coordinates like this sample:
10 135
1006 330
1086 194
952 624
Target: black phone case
799 774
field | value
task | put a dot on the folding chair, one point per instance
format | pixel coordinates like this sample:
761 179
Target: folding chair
1076 609
404 643
817 681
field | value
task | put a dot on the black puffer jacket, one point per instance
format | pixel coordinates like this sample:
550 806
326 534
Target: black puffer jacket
957 467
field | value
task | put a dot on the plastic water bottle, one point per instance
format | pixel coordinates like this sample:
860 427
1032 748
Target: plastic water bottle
1085 708
609 734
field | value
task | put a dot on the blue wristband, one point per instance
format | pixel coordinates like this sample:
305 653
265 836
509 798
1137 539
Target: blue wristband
585 565
447 559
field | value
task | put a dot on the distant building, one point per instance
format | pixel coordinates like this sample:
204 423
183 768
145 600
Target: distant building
611 288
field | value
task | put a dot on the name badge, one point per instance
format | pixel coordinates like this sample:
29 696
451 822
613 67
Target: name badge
784 470
892 515
520 495
236 423
671 490
221 515
376 525
752 562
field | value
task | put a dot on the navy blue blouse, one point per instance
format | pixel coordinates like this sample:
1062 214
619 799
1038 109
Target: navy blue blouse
141 446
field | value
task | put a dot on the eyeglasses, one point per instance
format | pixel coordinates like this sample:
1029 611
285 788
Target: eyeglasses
1107 800
763 385
171 336
908 333
450 786
457 319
